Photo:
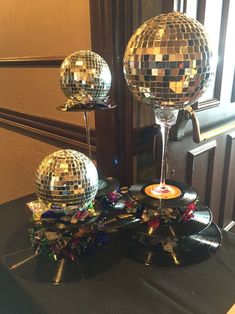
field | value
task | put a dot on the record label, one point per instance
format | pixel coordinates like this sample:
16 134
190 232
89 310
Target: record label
169 192
138 193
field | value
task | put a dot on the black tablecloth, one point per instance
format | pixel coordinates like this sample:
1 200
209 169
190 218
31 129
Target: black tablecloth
127 287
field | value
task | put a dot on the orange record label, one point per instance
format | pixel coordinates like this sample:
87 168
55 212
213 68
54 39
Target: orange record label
169 192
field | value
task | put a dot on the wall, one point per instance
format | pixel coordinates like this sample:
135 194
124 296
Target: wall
19 163
40 28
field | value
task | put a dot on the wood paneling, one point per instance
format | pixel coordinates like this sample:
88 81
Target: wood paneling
221 51
35 90
73 136
112 23
32 61
227 202
111 28
233 89
201 6
168 6
200 164
210 168
20 157
143 138
32 32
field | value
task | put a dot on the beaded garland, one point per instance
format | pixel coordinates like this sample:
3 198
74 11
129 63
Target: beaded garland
59 235
68 244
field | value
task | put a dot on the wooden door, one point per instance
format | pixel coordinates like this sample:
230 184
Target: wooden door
125 136
210 165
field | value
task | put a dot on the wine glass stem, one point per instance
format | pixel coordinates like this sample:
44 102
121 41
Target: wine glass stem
88 133
165 135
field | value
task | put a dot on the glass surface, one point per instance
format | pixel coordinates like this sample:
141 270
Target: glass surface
165 117
66 178
167 61
86 116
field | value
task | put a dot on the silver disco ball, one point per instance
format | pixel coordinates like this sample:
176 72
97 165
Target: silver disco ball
167 61
85 77
66 178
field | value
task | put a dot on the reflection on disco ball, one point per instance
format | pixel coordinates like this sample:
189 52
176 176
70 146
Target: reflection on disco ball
85 77
66 178
167 61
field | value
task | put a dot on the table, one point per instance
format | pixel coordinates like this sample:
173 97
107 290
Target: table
126 288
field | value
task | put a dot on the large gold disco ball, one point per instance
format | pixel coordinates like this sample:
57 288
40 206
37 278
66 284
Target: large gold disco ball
66 178
167 61
85 77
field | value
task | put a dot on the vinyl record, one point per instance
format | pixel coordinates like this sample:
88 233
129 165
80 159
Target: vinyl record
188 195
23 262
201 220
189 250
118 220
106 186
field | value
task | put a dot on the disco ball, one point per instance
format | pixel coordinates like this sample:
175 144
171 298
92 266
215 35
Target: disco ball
66 178
167 61
85 77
